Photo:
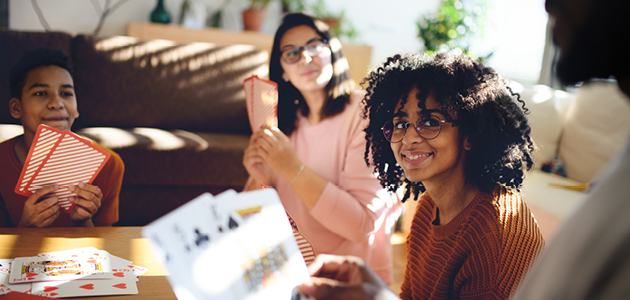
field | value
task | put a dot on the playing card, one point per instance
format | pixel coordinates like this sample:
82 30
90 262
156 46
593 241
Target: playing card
262 101
249 251
73 159
45 138
125 285
34 269
5 286
13 295
306 248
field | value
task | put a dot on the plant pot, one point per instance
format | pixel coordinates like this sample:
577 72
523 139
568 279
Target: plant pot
252 19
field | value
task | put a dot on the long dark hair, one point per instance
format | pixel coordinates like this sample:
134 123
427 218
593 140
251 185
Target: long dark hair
338 89
488 112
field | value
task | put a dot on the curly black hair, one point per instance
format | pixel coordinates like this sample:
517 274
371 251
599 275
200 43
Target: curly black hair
290 100
486 108
33 59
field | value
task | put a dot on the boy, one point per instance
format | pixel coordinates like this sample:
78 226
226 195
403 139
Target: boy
42 91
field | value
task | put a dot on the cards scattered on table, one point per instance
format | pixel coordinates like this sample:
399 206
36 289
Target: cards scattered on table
70 273
261 99
229 246
60 157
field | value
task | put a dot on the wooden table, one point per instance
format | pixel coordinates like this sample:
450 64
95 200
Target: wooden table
124 242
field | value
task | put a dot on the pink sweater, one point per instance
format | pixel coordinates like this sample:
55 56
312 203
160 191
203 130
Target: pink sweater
354 215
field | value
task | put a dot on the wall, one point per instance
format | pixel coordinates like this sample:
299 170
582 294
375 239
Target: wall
388 26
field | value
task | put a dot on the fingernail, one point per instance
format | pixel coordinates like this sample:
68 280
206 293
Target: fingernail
81 184
72 188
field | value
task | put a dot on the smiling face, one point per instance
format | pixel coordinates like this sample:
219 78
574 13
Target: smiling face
47 98
432 160
310 73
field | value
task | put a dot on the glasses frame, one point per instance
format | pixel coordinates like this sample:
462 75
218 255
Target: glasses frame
302 49
415 126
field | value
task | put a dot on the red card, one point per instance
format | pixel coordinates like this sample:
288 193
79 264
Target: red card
262 102
71 160
22 296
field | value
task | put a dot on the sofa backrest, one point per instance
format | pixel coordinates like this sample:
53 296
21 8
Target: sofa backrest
125 82
12 46
595 127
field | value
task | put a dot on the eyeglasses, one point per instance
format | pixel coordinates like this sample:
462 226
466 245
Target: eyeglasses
314 47
428 127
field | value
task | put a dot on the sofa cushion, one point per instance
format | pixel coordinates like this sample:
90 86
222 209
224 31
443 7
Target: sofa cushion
155 157
199 85
12 47
546 110
596 125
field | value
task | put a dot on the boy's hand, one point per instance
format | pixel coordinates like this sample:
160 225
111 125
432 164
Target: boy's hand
40 212
88 201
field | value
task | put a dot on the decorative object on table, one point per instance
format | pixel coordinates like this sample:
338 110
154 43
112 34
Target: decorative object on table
193 14
160 14
254 15
339 24
55 274
453 26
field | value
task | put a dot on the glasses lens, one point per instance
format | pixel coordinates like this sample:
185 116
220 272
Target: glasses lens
429 127
315 47
394 132
291 55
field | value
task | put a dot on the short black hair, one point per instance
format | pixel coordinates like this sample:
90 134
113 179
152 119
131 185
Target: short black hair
487 110
33 59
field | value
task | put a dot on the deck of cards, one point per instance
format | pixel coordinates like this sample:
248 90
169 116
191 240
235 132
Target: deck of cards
70 273
229 246
60 157
261 99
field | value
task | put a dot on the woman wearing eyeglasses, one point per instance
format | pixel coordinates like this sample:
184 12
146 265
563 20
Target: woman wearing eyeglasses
454 132
315 159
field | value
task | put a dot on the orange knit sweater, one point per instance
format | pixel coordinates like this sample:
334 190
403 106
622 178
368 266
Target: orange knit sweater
481 254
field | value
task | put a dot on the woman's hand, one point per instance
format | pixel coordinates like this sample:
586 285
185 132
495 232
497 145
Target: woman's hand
40 210
255 164
276 150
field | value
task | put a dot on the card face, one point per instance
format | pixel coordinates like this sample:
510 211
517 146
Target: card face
262 102
34 269
70 160
246 235
125 285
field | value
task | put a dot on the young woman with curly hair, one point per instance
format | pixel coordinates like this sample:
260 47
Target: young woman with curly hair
314 159
454 132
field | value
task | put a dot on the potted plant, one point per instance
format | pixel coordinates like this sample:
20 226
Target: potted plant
453 26
253 16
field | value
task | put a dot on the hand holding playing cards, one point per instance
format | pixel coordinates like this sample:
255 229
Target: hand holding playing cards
276 150
39 211
255 164
88 201
344 277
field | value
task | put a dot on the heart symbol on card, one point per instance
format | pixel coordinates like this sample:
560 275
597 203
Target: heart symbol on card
119 274
89 286
54 294
50 288
120 286
130 266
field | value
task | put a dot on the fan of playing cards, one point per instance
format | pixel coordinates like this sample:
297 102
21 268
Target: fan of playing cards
70 273
261 98
60 157
229 246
